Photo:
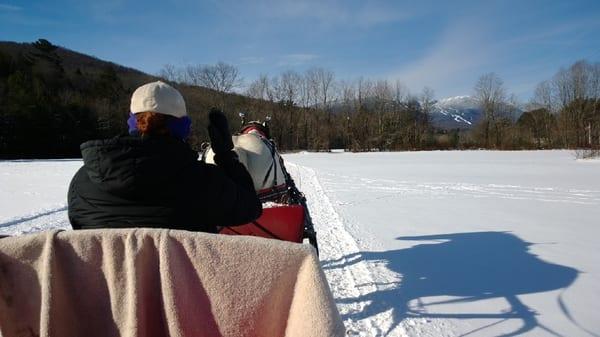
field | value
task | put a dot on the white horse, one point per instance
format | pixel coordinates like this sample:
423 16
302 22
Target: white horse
260 158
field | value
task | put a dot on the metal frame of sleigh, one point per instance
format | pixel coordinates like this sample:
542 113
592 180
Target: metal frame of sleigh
285 213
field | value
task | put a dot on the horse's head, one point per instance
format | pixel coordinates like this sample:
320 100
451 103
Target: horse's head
258 128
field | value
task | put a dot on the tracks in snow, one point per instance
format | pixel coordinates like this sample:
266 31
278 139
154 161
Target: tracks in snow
53 218
394 188
355 279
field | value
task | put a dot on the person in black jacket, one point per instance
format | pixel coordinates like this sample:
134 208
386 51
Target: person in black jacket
152 178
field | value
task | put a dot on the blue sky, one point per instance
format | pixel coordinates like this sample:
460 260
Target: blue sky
445 45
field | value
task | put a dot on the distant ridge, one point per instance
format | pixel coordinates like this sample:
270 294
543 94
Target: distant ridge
458 112
461 112
73 61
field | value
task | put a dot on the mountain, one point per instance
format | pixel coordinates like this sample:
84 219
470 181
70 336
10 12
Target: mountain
459 112
463 112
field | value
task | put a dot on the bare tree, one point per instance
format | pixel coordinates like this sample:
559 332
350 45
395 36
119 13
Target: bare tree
562 88
400 92
221 77
426 102
169 72
543 95
401 97
290 86
305 91
347 94
259 88
361 126
427 99
322 83
491 95
595 80
382 93
286 89
364 90
576 83
580 78
193 74
577 90
312 84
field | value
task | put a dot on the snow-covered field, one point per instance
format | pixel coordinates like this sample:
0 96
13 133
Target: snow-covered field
473 243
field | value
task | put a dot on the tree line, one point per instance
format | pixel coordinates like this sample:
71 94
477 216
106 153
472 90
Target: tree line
50 105
563 113
314 110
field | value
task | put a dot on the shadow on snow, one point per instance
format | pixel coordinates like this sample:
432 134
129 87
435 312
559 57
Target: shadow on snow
468 266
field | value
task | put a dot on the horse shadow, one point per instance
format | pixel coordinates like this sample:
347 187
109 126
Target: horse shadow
466 266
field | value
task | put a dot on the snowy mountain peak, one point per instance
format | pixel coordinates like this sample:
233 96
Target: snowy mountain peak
457 100
462 112
456 112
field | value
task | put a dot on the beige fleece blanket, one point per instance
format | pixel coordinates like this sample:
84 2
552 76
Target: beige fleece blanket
158 282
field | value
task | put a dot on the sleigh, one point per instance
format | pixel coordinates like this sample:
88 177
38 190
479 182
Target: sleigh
288 221
285 213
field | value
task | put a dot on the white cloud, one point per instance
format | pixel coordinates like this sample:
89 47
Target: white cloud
556 33
251 60
108 11
10 8
296 59
371 14
450 65
326 12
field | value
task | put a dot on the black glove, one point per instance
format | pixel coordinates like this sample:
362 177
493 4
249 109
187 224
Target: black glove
218 130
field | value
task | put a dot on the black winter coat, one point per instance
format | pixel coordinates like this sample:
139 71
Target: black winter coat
130 181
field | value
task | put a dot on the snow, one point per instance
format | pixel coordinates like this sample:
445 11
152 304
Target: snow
456 100
459 119
477 243
33 194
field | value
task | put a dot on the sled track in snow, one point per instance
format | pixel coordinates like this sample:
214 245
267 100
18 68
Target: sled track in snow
53 218
354 280
395 188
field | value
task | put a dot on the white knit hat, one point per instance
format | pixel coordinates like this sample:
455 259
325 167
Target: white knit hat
158 97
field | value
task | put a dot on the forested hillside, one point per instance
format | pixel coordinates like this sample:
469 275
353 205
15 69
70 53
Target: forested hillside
52 99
